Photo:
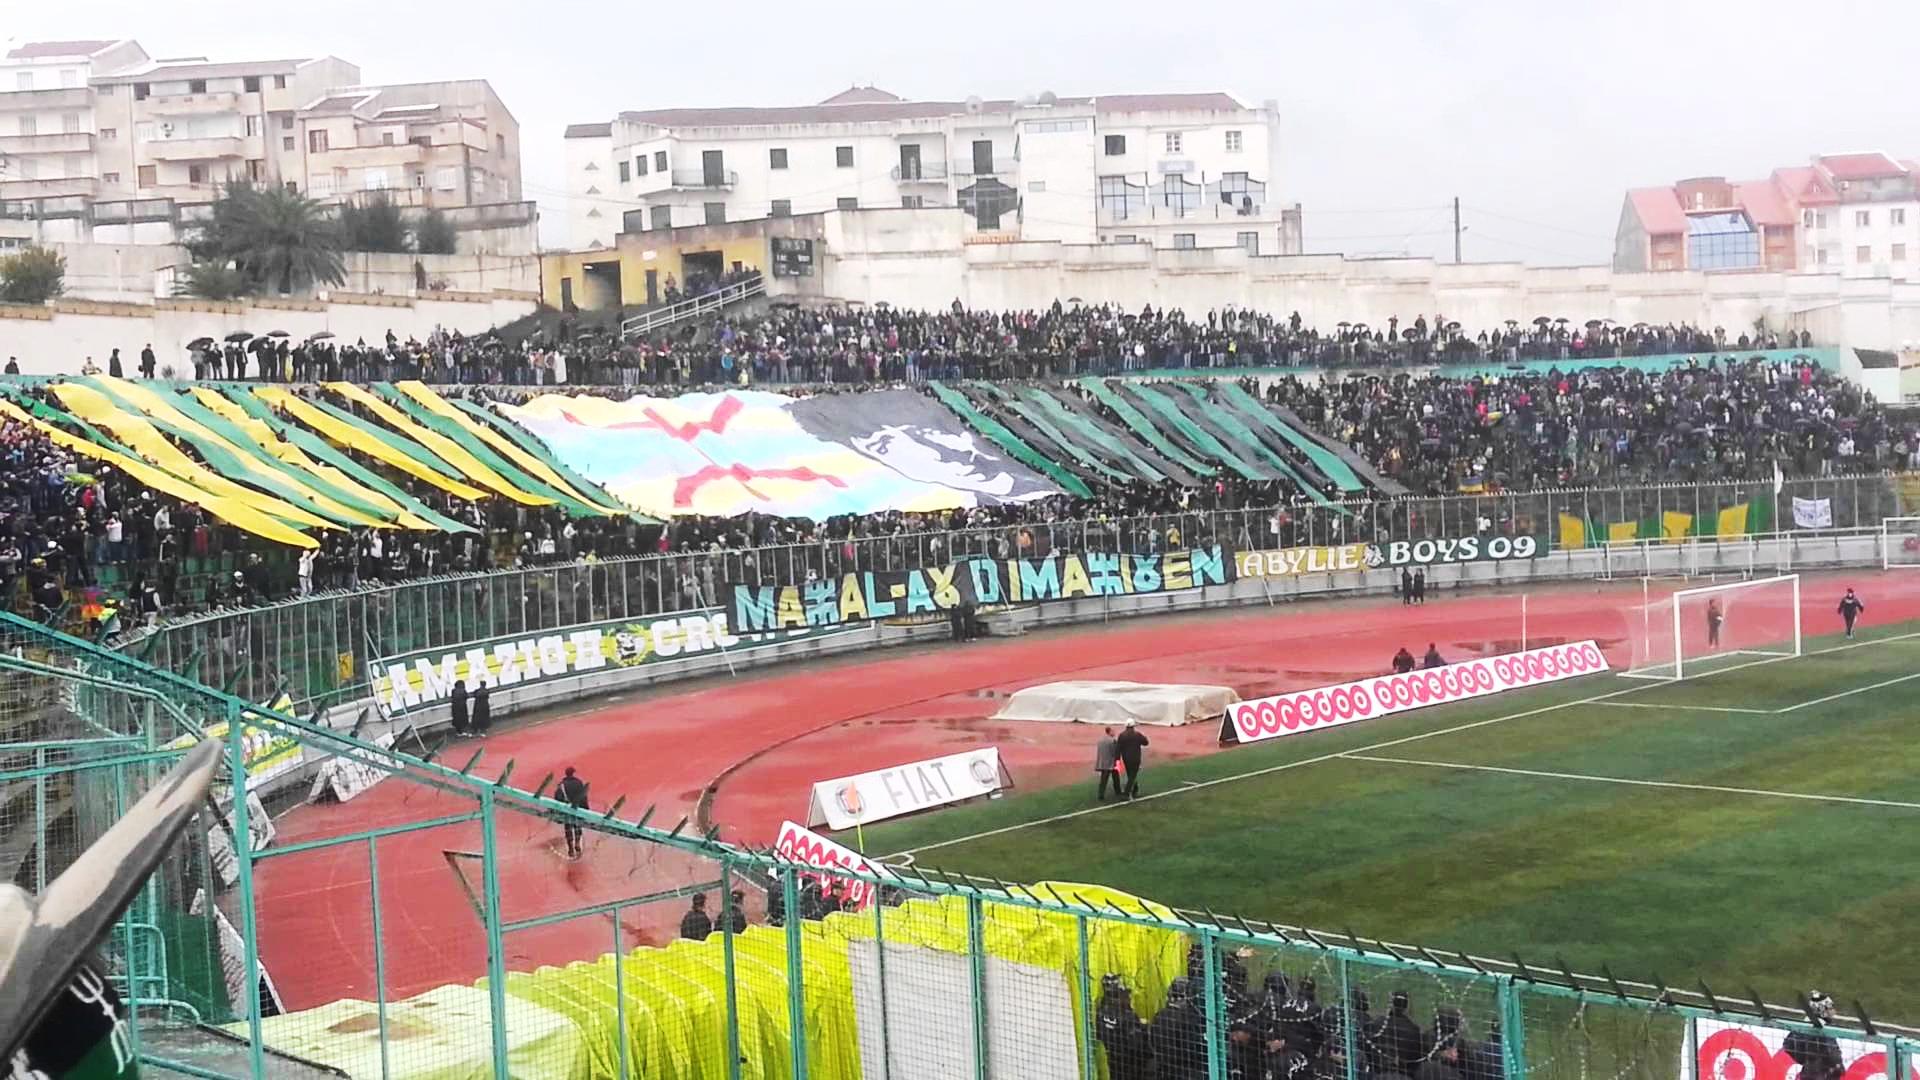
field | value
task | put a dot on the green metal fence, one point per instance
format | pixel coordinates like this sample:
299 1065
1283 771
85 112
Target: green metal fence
435 930
318 648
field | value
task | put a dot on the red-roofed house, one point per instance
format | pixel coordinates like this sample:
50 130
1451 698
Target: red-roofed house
1857 214
1183 170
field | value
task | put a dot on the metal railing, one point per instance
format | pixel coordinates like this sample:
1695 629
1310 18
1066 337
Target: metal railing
320 646
706 303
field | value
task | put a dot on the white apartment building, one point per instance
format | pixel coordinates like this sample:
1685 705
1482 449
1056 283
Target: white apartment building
47 128
1859 214
1172 170
442 144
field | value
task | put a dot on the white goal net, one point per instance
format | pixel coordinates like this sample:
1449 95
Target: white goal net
1694 632
1899 542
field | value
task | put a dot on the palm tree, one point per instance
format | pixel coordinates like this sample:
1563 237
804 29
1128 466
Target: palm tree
284 240
374 225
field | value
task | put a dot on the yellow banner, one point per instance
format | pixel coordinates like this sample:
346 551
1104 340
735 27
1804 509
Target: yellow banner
502 445
1733 521
1621 531
1573 532
1289 562
1675 525
451 452
347 437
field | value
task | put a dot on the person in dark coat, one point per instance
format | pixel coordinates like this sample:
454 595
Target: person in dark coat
1420 586
1402 661
1443 1063
113 364
736 912
1106 759
1485 1059
1850 609
1131 742
1406 587
482 710
457 709
695 925
1122 1034
1178 1035
573 792
1817 1053
146 361
1433 659
1398 1041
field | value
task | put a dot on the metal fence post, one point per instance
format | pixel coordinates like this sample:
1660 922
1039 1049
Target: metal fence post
1513 1040
1351 1048
1216 1032
727 961
620 996
880 964
496 948
1086 1002
243 856
379 949
977 976
796 983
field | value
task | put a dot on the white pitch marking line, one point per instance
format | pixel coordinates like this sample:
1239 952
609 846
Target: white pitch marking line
1716 788
1692 708
1850 693
1284 766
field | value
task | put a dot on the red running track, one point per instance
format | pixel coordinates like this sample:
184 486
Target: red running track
760 742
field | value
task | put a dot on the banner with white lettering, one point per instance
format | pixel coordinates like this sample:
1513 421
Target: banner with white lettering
1332 706
1393 555
802 845
1288 562
425 677
1724 1051
905 789
1812 513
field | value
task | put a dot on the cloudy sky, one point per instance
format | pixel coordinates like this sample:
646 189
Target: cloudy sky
1537 114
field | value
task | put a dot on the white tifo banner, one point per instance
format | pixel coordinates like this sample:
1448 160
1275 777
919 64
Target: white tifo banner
1813 513
903 789
341 777
1331 706
808 848
1723 1051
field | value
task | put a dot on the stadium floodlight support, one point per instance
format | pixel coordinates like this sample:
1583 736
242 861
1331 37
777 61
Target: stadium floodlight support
1899 542
1757 617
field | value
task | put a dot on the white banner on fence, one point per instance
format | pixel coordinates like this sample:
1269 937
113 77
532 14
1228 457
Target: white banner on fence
1812 513
808 848
342 777
1723 1051
1331 706
903 789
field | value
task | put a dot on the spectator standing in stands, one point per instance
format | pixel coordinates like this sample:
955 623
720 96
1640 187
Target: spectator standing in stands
1106 756
1850 609
1122 1033
457 713
1398 1040
113 364
1443 1063
1178 1035
572 791
736 912
482 710
1130 744
1402 661
13 365
306 571
695 925
1818 1054
146 361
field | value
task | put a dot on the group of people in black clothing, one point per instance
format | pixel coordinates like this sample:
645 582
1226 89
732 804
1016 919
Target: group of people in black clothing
1404 662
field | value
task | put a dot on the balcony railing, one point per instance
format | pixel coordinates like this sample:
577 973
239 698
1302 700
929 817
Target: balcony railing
997 167
193 104
49 189
68 97
924 172
222 146
699 178
1140 211
67 142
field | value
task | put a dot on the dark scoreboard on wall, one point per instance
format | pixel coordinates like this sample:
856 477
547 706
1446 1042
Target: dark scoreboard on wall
792 257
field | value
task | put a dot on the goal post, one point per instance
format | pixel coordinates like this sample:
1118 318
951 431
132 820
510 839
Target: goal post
1692 632
1899 542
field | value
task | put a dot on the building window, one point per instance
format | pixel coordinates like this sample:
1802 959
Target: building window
1116 145
446 178
846 202
1119 199
141 90
500 145
1806 219
29 125
1820 256
843 157
1125 238
1248 241
777 158
69 77
1899 217
196 175
1183 241
987 201
23 80
196 86
1179 195
716 213
253 126
286 143
1036 186
286 121
256 170
625 173
1863 218
659 161
69 123
109 134
1899 253
1820 219
663 217
1241 193
1233 142
1863 254
1173 142
640 165
279 82
109 177
781 208
913 202
250 84
386 138
317 141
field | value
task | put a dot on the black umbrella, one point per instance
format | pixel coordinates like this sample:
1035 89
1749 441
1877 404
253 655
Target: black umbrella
1409 333
199 343
321 336
238 335
258 344
1595 324
278 333
1542 321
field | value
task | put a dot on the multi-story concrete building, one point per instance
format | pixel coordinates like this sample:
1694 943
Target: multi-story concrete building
444 144
1855 214
48 133
1172 170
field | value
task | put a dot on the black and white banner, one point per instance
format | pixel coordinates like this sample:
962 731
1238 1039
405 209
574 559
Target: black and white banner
905 789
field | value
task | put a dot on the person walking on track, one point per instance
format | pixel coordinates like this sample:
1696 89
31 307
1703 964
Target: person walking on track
573 792
1130 744
1850 609
1106 757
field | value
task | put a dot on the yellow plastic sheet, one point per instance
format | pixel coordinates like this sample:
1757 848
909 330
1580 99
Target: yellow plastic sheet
506 447
443 1034
139 434
228 510
347 437
451 452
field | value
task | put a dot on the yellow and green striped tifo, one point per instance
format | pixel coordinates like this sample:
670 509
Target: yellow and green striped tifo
1671 526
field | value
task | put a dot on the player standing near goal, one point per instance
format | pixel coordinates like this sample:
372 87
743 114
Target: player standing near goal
1850 609
1714 618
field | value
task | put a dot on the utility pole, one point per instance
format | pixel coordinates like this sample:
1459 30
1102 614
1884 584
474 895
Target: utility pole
1456 230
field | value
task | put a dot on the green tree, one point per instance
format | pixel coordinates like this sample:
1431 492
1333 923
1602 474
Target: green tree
375 225
211 280
33 275
433 234
284 242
